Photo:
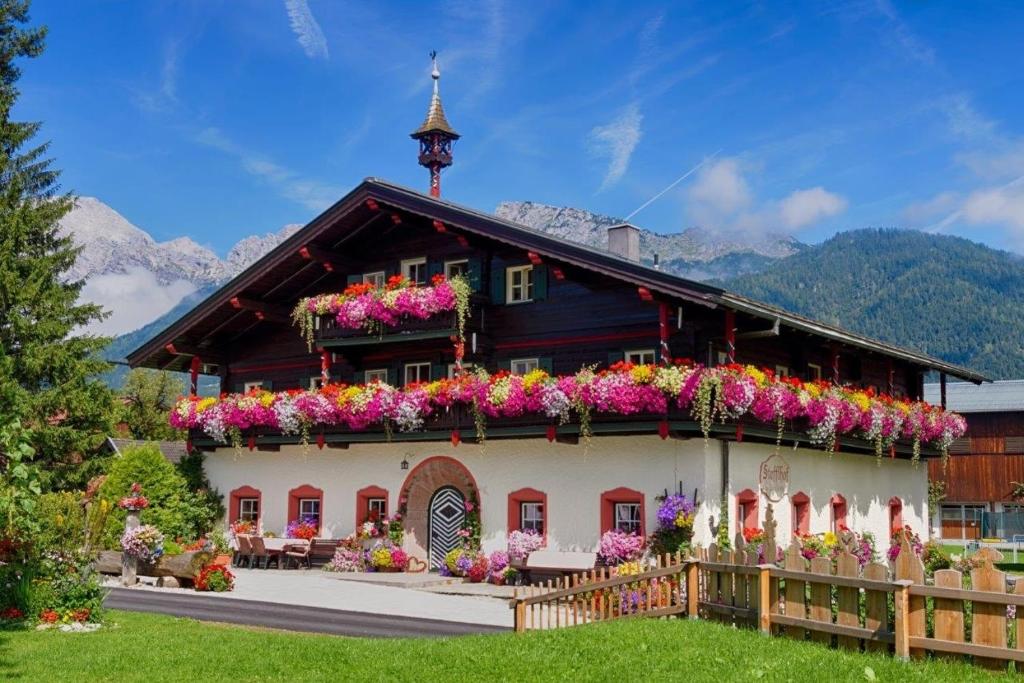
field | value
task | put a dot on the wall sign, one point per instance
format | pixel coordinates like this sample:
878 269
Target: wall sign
773 478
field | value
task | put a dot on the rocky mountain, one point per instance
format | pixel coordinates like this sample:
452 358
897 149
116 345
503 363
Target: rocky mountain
693 253
137 278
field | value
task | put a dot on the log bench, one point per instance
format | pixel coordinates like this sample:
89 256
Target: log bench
542 565
183 567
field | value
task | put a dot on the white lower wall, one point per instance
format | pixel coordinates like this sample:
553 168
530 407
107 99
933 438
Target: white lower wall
573 477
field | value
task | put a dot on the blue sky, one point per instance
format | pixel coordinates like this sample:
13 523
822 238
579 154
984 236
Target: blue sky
218 120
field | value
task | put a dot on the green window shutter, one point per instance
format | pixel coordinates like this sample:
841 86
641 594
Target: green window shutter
237 387
396 375
438 371
359 377
615 356
354 279
545 364
474 270
497 283
393 268
434 268
540 283
268 385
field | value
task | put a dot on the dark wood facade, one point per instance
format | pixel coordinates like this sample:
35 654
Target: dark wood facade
588 308
986 462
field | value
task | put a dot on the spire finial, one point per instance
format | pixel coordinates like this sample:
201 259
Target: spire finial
435 135
435 73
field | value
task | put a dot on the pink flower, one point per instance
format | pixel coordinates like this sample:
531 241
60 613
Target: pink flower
469 506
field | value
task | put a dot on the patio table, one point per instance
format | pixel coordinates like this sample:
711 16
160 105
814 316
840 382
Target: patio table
283 543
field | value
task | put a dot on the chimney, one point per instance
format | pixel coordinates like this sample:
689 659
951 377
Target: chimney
624 241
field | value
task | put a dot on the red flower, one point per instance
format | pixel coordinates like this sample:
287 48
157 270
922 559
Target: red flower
49 616
12 613
81 615
437 279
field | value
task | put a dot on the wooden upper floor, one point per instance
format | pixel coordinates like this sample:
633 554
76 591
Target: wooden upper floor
538 302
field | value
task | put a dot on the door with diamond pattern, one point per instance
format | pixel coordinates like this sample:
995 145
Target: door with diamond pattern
447 516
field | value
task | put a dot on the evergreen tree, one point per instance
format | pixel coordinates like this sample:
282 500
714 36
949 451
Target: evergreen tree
47 364
147 397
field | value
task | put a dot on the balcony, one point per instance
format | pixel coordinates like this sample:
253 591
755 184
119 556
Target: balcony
328 334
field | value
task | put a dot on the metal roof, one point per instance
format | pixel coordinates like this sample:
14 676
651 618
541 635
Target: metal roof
491 227
993 397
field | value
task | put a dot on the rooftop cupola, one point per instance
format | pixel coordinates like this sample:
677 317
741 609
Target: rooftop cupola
435 135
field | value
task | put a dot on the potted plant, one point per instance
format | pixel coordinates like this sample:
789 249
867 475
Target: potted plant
221 547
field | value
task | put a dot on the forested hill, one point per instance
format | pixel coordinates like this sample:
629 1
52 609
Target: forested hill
946 296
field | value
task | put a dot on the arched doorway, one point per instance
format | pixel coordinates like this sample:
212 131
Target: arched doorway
420 493
446 516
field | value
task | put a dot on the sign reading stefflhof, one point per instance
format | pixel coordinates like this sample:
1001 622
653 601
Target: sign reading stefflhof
773 478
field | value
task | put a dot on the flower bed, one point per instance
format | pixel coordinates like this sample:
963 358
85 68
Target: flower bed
363 305
215 578
823 410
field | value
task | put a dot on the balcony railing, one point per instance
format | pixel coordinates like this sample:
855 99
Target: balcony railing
442 325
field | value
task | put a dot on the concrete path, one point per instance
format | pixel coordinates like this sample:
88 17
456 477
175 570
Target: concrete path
212 607
314 588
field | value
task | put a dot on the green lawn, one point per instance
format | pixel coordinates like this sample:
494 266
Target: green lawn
144 647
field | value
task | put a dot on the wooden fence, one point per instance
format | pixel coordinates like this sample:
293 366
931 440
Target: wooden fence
872 607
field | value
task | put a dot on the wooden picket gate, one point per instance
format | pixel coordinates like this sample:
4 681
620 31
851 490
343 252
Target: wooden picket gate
870 608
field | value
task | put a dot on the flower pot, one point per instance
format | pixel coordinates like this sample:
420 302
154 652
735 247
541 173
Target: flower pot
223 560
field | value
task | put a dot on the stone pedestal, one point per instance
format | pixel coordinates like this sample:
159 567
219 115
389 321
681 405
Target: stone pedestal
130 563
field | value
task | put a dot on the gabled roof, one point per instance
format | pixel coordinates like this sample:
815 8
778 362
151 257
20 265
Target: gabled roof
995 397
173 451
284 264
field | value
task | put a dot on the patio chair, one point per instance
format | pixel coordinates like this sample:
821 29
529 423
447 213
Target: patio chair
322 549
299 554
243 556
260 553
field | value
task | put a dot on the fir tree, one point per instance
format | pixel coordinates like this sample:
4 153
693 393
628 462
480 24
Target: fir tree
47 364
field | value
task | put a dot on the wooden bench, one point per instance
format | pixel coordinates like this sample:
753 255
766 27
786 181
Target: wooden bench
542 565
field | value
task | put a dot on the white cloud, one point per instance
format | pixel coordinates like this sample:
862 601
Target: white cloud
926 210
963 120
720 191
312 194
998 205
133 298
805 207
721 200
306 29
617 140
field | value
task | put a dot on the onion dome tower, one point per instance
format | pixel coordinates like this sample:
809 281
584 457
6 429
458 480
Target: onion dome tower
435 136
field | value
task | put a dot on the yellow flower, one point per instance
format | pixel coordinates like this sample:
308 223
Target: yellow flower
59 519
104 506
813 390
628 568
861 400
205 403
534 377
830 539
266 399
759 377
642 374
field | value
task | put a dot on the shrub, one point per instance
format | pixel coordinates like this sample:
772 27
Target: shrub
67 586
173 508
61 522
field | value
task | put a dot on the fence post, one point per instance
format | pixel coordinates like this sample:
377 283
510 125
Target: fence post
692 588
764 600
901 625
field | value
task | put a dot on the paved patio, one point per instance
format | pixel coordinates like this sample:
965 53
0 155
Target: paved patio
314 588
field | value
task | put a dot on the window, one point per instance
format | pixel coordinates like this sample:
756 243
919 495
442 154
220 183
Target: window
249 509
316 382
252 385
456 268
838 513
522 366
781 371
746 510
378 508
895 514
415 269
527 509
640 357
519 284
417 372
309 507
627 517
813 371
532 517
622 508
466 367
378 375
376 279
723 358
244 503
801 513
371 503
